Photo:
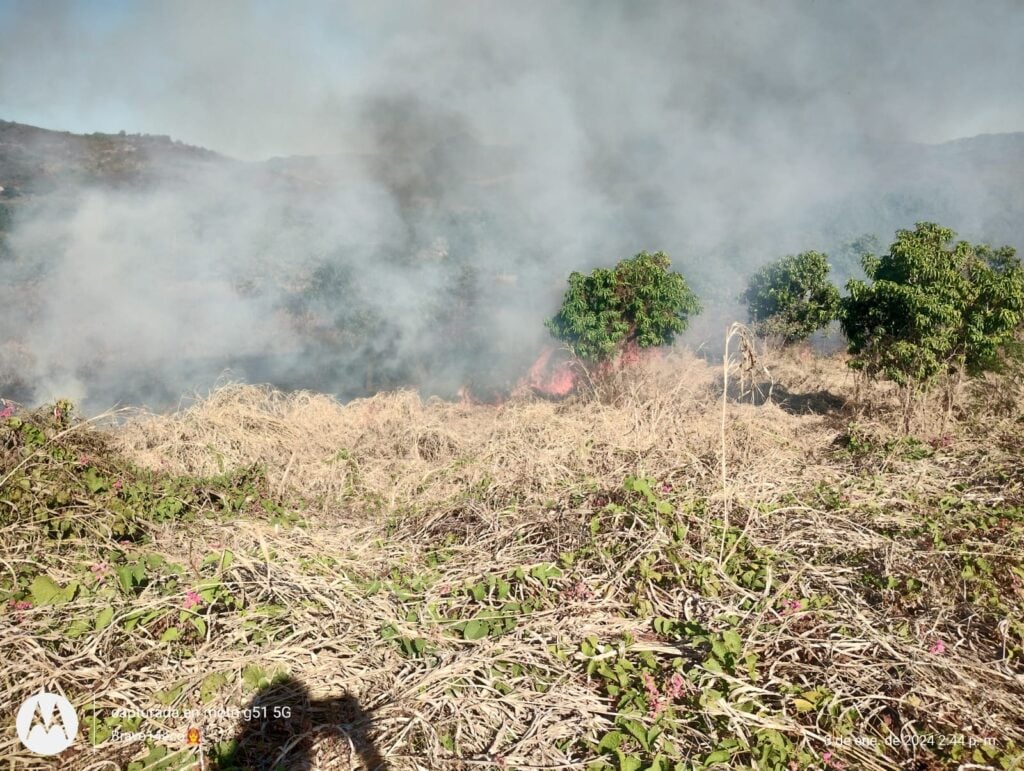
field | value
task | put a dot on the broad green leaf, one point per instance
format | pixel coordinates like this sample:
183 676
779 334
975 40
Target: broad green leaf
732 641
475 629
628 762
103 618
718 756
637 731
77 628
610 741
169 695
251 676
210 685
125 577
44 590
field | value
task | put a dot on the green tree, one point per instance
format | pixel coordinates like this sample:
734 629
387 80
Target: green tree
792 297
933 307
639 301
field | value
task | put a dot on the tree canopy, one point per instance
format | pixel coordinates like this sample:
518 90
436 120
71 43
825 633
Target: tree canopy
640 301
792 297
933 305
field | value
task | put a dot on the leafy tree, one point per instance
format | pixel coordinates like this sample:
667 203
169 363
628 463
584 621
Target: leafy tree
792 297
639 301
932 306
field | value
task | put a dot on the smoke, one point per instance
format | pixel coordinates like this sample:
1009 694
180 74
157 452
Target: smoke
414 182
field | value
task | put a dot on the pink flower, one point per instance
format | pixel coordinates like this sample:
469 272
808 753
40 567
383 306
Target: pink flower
19 605
676 686
578 591
118 485
790 606
654 702
7 411
830 762
100 570
666 487
938 648
192 599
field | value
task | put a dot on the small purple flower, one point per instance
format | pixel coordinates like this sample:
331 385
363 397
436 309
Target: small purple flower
790 607
654 701
676 686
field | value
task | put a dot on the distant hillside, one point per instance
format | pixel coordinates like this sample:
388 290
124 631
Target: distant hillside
38 161
430 264
976 185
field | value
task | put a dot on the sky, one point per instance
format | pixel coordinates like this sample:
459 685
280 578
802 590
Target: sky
261 78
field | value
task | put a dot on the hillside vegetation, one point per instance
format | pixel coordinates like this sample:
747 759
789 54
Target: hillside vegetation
421 265
643 578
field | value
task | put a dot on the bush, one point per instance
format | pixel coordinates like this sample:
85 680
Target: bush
931 307
792 297
639 302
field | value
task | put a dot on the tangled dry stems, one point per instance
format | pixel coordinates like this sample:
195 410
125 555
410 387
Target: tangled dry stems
386 482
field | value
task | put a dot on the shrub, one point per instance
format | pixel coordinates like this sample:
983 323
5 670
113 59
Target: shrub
792 297
639 302
931 307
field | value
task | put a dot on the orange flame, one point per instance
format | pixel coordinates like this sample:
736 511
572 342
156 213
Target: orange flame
549 379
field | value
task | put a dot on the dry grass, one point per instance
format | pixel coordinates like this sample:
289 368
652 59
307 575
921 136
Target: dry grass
425 499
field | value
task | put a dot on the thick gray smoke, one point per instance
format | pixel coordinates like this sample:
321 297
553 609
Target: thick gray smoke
412 184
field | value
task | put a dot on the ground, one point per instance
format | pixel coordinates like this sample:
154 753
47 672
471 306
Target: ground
643 578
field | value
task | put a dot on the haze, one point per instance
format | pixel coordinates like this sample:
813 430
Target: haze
462 159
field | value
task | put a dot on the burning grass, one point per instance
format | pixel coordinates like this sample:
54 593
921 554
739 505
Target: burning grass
528 585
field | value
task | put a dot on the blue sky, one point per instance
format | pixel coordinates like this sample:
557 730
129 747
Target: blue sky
93 21
169 68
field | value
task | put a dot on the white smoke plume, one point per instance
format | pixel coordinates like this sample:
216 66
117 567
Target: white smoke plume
404 188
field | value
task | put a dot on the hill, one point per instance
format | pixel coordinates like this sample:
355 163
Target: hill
37 161
137 268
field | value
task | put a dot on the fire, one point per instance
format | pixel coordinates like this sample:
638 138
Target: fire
630 356
556 374
556 380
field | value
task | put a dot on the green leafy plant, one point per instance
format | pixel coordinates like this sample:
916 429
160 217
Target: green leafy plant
792 297
640 302
931 306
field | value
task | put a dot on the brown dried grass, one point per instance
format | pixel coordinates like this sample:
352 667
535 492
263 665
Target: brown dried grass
388 480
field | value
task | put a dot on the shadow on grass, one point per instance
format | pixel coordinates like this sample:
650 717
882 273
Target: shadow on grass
822 402
283 729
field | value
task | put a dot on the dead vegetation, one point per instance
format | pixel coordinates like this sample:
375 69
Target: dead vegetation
541 584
